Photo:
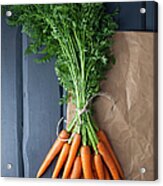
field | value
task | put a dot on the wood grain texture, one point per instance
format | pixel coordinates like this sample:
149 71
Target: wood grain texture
41 112
30 107
11 138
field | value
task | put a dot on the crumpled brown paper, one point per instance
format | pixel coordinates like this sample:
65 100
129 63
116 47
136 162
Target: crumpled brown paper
131 126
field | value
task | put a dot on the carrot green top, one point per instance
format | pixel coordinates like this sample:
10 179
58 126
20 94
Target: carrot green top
79 36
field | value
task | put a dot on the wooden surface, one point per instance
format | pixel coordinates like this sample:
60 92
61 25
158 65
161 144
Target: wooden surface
11 135
41 112
30 107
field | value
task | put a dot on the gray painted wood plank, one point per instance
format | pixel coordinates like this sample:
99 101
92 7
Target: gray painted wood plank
11 123
41 112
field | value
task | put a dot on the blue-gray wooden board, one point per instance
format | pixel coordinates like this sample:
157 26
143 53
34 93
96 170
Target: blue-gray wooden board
11 124
30 107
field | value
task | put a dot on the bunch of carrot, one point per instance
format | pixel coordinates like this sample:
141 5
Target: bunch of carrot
79 160
80 37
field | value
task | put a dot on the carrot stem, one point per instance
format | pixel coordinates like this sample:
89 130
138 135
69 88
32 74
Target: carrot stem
84 137
72 134
72 123
93 123
91 139
92 130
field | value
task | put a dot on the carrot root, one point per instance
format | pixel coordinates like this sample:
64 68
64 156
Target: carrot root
108 160
107 175
86 162
72 154
94 169
55 149
77 169
99 166
103 138
61 160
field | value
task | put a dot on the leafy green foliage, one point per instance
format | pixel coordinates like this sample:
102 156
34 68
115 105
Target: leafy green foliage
78 35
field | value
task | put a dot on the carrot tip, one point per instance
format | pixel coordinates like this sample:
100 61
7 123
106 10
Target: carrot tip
38 176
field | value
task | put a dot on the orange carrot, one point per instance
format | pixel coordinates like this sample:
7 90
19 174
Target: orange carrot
61 160
107 175
99 166
77 168
86 162
108 160
102 137
82 177
93 168
72 154
55 149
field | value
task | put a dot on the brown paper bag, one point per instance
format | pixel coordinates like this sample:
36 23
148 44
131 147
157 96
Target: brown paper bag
132 125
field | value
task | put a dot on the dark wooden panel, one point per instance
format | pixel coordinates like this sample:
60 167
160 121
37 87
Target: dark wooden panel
11 144
129 17
41 112
152 16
